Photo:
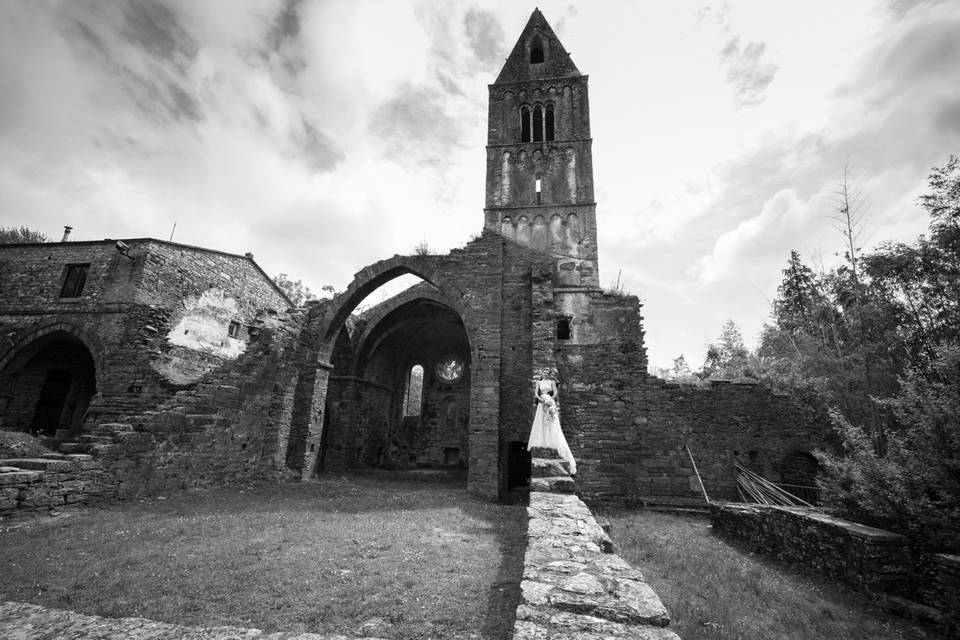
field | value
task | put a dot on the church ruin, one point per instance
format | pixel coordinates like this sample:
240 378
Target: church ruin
179 366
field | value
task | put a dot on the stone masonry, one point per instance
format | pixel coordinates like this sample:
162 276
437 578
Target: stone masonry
177 365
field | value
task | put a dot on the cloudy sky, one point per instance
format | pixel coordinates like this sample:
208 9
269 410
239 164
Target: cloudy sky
323 135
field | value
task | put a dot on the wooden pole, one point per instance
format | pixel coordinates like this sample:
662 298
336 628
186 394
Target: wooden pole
699 479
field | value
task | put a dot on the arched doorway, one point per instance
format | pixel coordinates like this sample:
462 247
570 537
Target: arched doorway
47 386
403 399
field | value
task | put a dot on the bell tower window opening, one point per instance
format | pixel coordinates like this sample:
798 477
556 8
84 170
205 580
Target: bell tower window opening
537 123
548 124
536 188
524 124
536 51
413 398
563 328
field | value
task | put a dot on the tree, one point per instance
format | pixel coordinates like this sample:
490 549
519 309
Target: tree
727 358
21 235
905 321
298 292
680 368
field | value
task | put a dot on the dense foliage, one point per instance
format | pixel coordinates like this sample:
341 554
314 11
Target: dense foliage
878 340
21 235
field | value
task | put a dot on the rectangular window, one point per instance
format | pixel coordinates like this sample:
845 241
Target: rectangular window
74 281
234 329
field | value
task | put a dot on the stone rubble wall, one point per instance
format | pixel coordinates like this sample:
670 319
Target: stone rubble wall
574 586
862 557
21 621
232 425
941 588
35 484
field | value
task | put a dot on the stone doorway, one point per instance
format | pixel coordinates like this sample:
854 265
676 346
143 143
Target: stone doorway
48 386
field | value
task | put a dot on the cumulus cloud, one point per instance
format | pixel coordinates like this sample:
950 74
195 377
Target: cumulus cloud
783 221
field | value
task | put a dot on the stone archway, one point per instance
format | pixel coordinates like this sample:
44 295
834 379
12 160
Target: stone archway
326 327
48 380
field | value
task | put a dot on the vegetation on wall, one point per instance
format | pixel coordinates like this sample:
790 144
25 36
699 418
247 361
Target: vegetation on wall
878 341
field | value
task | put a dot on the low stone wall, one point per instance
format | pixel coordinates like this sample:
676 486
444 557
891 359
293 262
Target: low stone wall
941 584
574 586
55 480
21 621
863 557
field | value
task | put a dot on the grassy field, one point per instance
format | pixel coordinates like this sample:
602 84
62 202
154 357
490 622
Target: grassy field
714 590
413 558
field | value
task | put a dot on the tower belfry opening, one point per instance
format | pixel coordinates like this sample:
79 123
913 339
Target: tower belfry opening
540 159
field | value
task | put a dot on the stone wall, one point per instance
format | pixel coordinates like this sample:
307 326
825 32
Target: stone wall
56 480
154 320
940 584
232 425
863 557
629 431
574 586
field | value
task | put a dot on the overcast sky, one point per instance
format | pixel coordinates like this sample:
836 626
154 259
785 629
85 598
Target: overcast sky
324 135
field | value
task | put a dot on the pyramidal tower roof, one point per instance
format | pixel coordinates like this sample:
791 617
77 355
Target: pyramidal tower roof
537 54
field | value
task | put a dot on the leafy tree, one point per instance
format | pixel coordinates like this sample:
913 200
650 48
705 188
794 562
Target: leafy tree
298 292
680 368
727 358
878 341
21 235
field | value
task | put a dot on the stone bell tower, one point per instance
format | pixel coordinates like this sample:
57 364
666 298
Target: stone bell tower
539 159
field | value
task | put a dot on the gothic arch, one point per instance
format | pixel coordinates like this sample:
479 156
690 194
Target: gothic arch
370 278
398 301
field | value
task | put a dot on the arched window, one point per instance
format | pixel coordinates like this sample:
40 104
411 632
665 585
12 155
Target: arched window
413 399
537 123
548 124
536 50
524 124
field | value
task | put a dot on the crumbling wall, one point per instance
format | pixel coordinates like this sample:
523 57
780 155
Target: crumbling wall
229 426
137 314
629 431
864 557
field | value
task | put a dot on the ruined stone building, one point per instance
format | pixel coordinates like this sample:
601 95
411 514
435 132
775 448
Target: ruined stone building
181 365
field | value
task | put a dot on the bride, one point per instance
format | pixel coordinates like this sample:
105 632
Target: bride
546 432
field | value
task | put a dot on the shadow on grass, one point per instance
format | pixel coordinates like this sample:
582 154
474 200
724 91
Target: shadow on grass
415 552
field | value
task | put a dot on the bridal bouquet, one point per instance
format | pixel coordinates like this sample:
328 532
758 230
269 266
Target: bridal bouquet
550 405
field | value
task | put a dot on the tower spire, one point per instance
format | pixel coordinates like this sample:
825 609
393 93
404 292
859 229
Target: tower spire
539 158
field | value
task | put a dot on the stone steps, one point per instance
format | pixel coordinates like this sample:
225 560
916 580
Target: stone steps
558 484
549 473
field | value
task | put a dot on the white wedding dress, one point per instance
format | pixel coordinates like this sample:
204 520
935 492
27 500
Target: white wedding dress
546 432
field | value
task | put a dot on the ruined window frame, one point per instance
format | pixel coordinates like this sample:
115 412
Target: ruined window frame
537 122
233 329
549 122
408 409
525 126
538 50
74 280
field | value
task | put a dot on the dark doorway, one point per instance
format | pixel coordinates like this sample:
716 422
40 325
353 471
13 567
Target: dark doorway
48 386
53 398
518 465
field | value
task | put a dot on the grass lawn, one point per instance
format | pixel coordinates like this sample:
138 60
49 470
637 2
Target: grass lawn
714 590
420 554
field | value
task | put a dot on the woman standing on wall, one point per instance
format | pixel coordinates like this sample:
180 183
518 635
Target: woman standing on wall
546 432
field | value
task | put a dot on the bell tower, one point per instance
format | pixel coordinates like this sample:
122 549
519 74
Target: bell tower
539 158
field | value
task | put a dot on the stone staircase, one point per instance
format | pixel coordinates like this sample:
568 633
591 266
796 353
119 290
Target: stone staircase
549 472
